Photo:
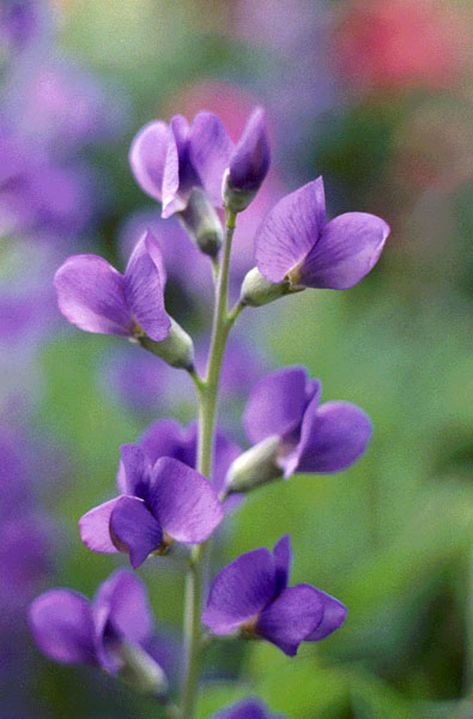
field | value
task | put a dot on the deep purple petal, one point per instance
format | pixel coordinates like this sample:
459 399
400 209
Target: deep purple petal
290 230
134 529
283 558
291 617
348 248
251 158
277 403
63 627
94 527
136 470
334 614
333 437
184 502
91 295
246 709
148 156
240 591
179 177
167 438
210 149
144 289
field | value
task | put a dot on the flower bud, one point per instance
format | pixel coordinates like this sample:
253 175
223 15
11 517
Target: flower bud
254 467
177 349
141 671
249 164
201 222
256 290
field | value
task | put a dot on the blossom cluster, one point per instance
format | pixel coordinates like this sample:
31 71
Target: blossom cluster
176 485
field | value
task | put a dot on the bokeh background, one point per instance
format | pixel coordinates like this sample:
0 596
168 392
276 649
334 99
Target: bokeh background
376 95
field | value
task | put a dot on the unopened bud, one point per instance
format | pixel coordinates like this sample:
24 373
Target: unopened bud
141 671
254 467
256 290
177 349
202 223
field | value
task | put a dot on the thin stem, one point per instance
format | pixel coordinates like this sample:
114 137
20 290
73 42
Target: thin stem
208 400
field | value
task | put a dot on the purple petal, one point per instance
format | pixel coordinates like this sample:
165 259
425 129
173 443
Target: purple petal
91 295
277 403
348 248
184 502
240 591
333 437
144 289
246 709
148 156
250 161
334 614
94 527
283 558
167 438
290 230
179 177
136 471
63 627
210 149
134 530
291 617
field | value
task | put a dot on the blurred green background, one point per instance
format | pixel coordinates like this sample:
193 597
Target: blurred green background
390 128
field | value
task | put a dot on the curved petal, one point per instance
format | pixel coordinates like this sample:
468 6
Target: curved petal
184 502
333 437
148 156
144 289
283 558
291 617
348 248
210 149
136 471
134 530
277 403
94 527
249 163
240 591
290 230
179 177
334 615
91 295
62 624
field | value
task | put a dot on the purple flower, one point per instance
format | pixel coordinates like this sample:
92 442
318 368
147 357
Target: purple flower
162 502
170 161
251 596
107 631
296 245
293 432
249 163
95 297
247 709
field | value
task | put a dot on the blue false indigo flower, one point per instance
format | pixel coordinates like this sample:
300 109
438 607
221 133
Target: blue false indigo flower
95 297
247 709
293 432
249 164
114 631
296 247
161 503
251 596
182 167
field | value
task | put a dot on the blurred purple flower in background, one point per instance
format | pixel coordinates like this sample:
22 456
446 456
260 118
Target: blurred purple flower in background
247 709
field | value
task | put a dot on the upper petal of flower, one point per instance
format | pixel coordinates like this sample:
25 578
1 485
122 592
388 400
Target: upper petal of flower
277 403
283 558
136 468
148 156
240 591
348 248
334 614
91 295
291 617
144 289
290 230
333 437
94 527
249 163
63 627
134 529
179 176
210 149
184 502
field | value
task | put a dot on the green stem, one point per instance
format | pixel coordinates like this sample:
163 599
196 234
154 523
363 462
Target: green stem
208 400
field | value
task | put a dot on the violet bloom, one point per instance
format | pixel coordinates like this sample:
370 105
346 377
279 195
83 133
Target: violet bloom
162 502
247 709
293 432
251 596
296 247
113 631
